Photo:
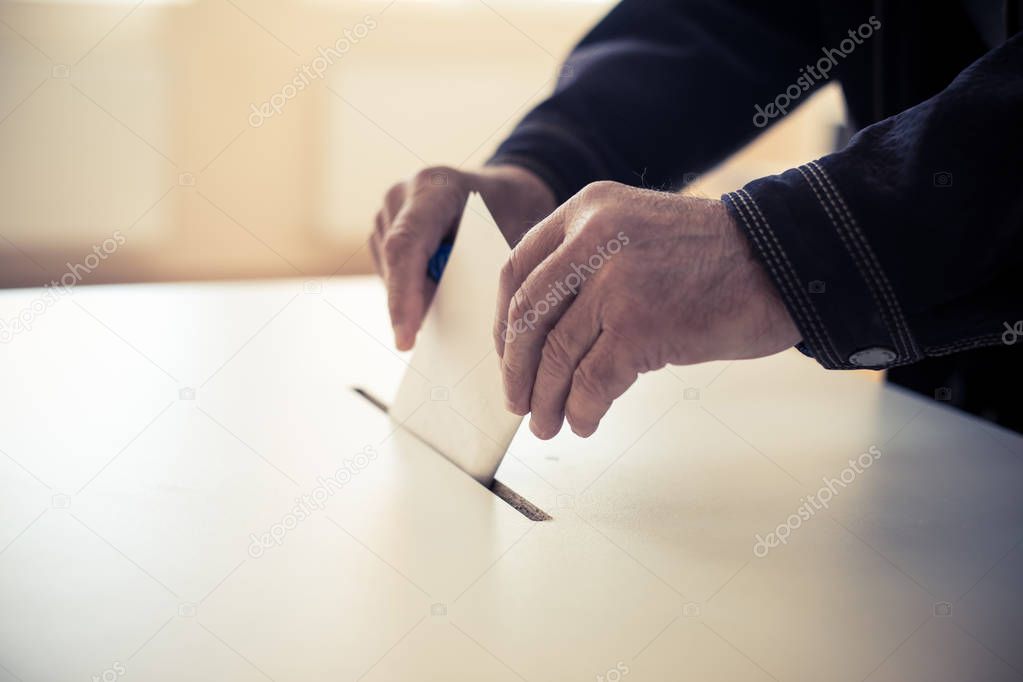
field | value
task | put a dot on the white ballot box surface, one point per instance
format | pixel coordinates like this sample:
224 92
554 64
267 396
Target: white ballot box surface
192 490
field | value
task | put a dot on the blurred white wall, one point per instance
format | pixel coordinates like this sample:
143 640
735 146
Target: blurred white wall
136 119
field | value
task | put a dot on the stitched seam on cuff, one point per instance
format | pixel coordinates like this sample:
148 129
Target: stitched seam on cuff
856 256
877 273
871 270
965 344
826 343
781 276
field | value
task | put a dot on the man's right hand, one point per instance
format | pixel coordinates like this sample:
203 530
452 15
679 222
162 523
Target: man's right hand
418 214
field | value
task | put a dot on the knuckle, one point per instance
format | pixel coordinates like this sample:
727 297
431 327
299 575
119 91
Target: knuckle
435 176
519 310
506 277
397 244
593 213
395 194
515 378
589 380
556 357
597 190
512 273
514 373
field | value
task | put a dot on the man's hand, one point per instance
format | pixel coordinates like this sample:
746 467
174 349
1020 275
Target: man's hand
619 281
418 214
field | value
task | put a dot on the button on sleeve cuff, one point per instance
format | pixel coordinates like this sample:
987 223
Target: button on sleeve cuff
805 235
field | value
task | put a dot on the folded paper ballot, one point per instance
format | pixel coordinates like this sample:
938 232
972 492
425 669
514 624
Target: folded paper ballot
451 396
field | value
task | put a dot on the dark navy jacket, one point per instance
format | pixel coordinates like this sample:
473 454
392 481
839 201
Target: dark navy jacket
905 245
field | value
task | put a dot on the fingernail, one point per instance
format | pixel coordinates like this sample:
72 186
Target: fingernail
541 433
583 431
402 340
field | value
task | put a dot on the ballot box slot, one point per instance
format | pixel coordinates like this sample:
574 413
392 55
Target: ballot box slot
518 502
372 399
503 492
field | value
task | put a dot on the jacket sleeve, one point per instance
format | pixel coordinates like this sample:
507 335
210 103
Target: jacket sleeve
661 89
908 242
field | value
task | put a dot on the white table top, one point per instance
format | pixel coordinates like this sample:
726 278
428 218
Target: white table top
146 432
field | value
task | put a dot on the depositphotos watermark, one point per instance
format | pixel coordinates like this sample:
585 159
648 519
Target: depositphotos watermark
1012 333
111 674
569 286
313 501
811 74
76 272
313 71
811 504
614 674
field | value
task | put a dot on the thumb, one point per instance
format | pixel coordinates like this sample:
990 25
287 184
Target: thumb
430 213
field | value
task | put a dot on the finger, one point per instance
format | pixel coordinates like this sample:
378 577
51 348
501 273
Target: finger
375 248
430 213
547 292
391 205
393 201
603 375
531 250
374 244
564 348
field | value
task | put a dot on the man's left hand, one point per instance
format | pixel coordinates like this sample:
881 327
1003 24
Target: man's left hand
619 281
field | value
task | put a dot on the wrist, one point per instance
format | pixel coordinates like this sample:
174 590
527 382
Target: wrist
774 325
517 198
523 181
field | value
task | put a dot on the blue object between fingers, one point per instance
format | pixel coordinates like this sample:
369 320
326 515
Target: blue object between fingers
438 261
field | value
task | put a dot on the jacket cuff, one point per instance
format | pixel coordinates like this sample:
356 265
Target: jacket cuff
555 152
802 230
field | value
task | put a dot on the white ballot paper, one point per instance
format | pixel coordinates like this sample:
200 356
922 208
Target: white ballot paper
451 396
